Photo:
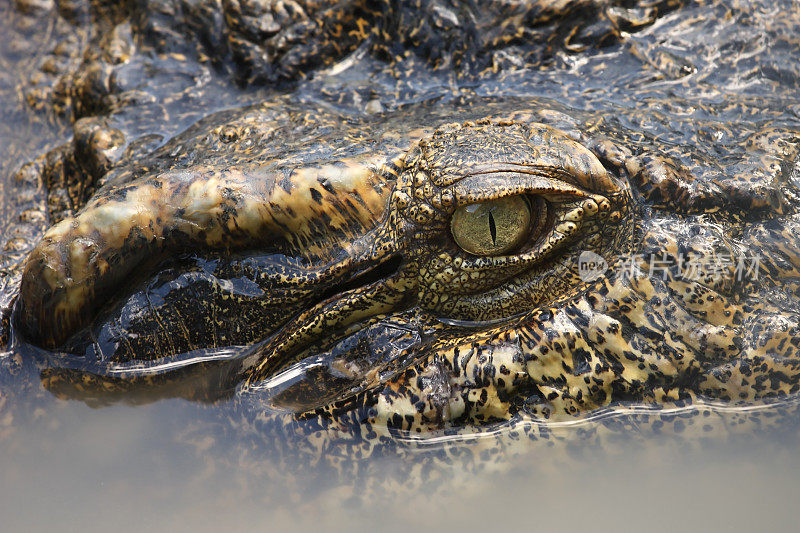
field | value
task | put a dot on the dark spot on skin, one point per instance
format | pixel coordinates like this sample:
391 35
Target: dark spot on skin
580 358
286 181
326 184
316 195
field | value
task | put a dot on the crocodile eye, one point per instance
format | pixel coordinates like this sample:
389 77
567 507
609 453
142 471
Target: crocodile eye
494 227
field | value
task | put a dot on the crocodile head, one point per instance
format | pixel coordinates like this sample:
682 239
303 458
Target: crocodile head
432 273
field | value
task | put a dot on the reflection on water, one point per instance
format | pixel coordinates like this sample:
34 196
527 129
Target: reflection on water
128 468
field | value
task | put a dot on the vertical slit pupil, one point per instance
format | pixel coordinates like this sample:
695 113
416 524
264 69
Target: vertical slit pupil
492 229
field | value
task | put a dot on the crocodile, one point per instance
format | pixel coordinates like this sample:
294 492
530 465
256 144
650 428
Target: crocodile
448 259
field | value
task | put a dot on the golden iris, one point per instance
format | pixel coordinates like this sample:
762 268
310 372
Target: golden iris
494 227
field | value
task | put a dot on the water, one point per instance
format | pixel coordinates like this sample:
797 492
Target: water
697 81
125 467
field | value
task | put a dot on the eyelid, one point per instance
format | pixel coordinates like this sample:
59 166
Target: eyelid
478 188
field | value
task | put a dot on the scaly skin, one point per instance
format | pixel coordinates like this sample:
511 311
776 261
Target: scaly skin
544 341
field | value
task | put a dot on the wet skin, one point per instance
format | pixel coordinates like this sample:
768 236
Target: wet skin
359 267
357 249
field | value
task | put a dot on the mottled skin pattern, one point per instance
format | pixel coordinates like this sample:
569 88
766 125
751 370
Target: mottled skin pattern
307 248
632 335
